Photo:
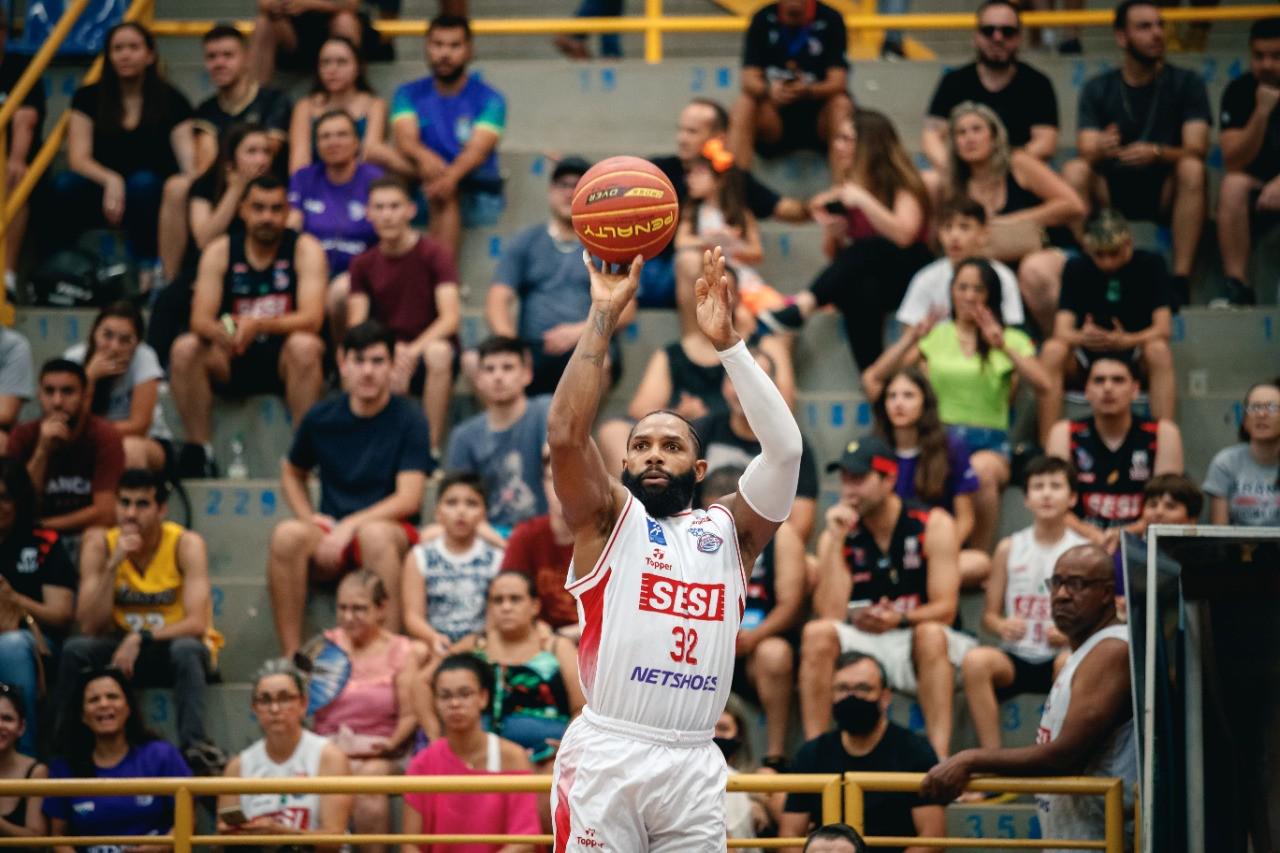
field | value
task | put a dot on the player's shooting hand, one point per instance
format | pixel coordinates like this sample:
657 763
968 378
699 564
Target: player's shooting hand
714 300
613 291
946 780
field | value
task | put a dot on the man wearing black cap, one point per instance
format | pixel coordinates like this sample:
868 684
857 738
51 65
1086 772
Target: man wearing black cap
888 586
541 272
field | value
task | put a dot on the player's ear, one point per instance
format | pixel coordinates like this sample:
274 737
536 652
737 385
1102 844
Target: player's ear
699 470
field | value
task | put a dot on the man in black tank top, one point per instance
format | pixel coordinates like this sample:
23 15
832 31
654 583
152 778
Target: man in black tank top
255 317
1115 454
888 586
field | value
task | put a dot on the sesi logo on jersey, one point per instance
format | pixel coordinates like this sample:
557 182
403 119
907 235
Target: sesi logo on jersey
703 601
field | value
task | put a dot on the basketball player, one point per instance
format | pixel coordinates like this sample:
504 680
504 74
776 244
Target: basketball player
660 588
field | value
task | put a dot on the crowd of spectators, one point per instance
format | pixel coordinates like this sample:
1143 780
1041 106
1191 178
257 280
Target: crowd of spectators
285 250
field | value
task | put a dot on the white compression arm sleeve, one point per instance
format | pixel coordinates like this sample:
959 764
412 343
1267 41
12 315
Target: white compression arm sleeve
769 483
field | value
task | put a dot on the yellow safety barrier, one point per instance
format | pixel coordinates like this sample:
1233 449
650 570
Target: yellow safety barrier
856 784
654 24
184 791
139 10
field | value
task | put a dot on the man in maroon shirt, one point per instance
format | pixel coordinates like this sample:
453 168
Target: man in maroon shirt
541 547
74 458
409 283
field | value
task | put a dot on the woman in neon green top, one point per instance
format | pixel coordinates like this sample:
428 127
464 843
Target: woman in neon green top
974 363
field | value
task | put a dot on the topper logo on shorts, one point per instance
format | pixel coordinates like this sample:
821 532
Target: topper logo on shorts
702 601
588 840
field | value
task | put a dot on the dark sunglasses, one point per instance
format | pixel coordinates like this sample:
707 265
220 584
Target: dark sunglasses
990 30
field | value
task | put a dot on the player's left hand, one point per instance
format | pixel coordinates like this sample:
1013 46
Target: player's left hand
715 301
945 781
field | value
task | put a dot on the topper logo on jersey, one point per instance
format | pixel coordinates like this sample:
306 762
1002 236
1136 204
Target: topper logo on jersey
702 601
657 560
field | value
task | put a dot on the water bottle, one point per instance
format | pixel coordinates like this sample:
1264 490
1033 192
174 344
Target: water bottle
237 468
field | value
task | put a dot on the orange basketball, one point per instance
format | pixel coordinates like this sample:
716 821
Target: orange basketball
623 207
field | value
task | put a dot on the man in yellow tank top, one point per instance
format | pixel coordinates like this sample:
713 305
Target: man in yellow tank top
144 606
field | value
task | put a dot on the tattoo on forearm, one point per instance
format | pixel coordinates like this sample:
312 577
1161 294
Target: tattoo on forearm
600 322
596 358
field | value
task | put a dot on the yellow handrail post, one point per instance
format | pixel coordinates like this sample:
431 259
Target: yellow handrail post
1114 817
6 310
653 33
831 801
854 806
184 820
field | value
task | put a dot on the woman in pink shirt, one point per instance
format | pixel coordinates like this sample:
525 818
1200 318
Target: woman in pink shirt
372 719
462 685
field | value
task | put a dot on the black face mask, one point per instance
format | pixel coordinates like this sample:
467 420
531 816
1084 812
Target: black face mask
665 501
728 745
857 716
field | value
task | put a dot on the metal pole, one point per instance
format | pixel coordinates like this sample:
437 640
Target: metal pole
184 820
854 805
831 801
653 33
1148 709
1115 817
6 310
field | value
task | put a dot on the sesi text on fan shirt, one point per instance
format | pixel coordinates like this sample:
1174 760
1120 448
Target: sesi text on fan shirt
660 612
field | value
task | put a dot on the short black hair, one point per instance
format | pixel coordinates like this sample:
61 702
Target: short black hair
450 22
367 334
1265 28
987 4
838 832
337 112
1042 465
1180 487
1119 358
390 182
223 30
144 478
962 205
851 658
266 181
1121 19
470 479
693 430
498 344
64 365
720 123
468 662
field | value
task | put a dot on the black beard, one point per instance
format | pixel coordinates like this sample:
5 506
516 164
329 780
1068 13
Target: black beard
450 78
995 64
664 501
1143 59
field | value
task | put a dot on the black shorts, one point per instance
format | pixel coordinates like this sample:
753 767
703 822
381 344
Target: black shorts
1137 192
1028 677
418 382
799 130
742 684
255 372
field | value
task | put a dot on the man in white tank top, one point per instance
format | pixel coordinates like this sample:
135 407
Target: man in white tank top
1018 608
660 589
1087 727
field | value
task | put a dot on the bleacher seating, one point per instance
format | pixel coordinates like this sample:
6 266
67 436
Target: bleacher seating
602 109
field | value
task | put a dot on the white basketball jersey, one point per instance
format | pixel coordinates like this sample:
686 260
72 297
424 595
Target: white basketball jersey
660 612
298 811
1064 816
1026 590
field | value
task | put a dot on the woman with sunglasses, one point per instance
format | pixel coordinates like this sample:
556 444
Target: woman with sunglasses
103 736
20 817
286 751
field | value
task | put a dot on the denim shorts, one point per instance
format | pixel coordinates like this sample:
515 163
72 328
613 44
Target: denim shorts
982 438
481 208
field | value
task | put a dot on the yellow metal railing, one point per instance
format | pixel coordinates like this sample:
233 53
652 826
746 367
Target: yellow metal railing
11 201
654 24
1112 790
832 787
184 791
